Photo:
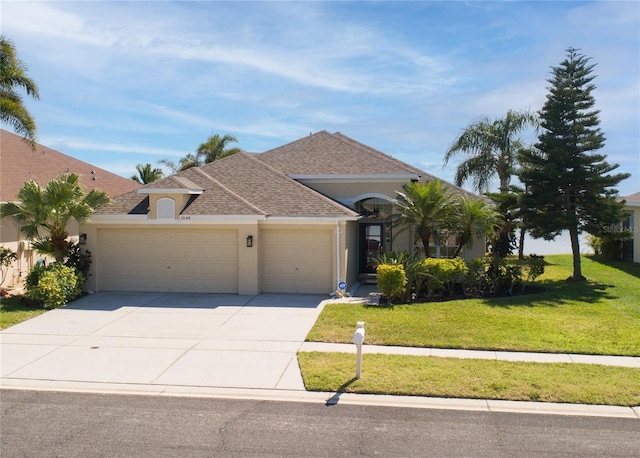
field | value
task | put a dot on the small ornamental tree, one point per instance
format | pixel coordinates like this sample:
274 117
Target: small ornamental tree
568 186
7 257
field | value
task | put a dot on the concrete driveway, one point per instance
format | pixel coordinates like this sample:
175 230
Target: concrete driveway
163 339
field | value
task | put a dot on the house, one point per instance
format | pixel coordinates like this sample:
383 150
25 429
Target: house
631 248
18 164
301 218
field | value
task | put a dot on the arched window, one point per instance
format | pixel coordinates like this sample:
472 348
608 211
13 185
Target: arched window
166 208
374 207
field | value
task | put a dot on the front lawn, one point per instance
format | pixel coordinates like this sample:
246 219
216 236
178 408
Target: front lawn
601 316
14 311
471 378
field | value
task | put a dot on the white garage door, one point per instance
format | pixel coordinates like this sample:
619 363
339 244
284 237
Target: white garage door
297 261
168 260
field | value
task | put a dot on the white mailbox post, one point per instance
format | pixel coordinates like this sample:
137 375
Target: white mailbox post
358 339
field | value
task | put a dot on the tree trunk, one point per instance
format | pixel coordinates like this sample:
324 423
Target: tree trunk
462 243
425 236
575 248
523 231
59 244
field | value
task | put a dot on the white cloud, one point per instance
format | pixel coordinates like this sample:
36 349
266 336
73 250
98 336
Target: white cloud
158 77
67 143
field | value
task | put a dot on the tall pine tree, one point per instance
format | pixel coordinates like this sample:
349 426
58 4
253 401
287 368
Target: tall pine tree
569 186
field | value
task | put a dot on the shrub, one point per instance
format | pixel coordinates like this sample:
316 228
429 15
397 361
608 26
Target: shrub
7 257
79 259
442 274
492 274
53 285
533 266
477 274
414 269
391 280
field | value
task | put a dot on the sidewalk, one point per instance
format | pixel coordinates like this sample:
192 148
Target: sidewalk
621 361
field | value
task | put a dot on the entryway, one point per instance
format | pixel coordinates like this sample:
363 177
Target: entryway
372 245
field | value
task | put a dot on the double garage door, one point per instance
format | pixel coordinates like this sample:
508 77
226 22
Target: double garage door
168 260
206 260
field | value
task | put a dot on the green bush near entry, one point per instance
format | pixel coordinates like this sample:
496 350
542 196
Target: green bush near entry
391 280
442 274
53 285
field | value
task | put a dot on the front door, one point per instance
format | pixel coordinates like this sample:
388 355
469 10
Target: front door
371 246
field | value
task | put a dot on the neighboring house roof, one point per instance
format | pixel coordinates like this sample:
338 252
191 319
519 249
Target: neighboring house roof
633 199
265 184
19 163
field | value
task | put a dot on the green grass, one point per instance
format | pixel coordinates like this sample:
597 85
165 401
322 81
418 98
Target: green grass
601 316
471 378
13 311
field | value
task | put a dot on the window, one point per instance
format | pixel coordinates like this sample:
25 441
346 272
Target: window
448 245
166 208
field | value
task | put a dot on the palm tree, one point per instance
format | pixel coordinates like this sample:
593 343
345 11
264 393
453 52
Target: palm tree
12 77
492 148
216 147
425 208
50 210
146 174
473 218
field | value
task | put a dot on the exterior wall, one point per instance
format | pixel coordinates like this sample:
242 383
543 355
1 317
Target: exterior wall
250 262
351 252
11 238
634 227
180 201
477 250
351 192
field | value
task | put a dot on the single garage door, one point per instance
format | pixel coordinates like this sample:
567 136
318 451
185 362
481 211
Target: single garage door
297 261
181 260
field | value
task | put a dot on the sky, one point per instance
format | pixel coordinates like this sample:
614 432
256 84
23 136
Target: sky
130 82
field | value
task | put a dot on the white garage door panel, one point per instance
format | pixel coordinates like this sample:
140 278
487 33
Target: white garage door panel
297 261
168 260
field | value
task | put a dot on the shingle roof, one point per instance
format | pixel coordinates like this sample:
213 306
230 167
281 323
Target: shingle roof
331 154
324 153
19 163
260 184
238 185
633 198
271 191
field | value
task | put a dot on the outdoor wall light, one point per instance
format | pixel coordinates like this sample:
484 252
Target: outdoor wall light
249 241
82 239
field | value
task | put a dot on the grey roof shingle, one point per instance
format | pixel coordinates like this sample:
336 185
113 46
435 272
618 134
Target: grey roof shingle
331 154
238 185
260 184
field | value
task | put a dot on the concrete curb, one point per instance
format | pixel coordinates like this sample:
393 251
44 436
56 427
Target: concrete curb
329 399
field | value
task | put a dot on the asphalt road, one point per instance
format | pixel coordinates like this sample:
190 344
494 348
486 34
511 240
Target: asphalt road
48 424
